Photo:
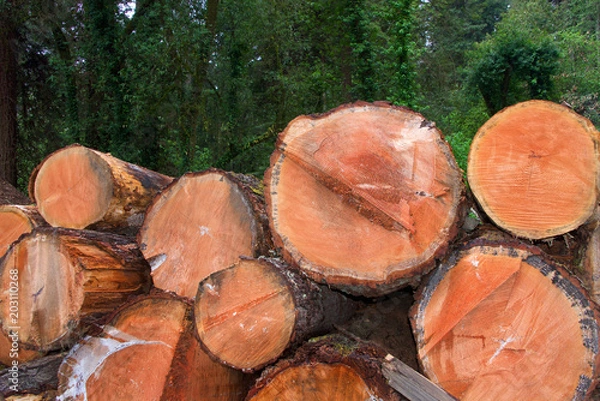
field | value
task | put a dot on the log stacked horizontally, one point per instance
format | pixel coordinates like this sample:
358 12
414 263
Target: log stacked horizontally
365 197
348 272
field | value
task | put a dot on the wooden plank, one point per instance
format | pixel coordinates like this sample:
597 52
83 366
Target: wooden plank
411 383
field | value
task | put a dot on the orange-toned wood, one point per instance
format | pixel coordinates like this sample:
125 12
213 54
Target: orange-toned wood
147 352
11 350
16 220
249 314
500 321
326 369
203 222
76 187
10 195
364 197
53 281
533 168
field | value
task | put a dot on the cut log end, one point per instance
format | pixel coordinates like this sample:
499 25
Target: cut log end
364 197
147 352
326 369
249 314
245 315
77 177
16 220
326 383
58 277
533 168
201 223
49 293
493 314
78 187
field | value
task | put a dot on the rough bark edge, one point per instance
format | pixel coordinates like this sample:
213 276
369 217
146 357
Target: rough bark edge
313 306
34 377
395 280
560 276
366 359
11 195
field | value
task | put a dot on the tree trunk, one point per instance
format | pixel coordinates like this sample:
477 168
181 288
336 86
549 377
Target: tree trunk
147 352
54 282
77 187
533 168
9 195
365 197
327 369
16 220
498 320
201 223
8 95
249 314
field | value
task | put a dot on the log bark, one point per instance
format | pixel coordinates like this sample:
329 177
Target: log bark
327 369
78 187
147 352
34 377
499 320
10 195
249 314
203 222
590 265
365 197
533 168
16 220
55 281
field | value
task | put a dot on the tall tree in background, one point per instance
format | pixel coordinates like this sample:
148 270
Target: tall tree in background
177 85
511 67
449 28
8 91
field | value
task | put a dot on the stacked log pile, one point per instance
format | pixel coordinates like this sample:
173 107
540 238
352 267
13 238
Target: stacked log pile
347 270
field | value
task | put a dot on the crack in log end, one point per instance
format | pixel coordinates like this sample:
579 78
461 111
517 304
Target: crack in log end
209 322
361 203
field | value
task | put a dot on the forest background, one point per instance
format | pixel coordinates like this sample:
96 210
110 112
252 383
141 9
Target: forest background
182 85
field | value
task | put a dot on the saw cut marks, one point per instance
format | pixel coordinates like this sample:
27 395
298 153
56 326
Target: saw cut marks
363 197
533 168
249 314
501 322
200 224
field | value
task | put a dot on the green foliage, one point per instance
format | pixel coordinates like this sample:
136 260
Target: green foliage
462 125
511 67
180 85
